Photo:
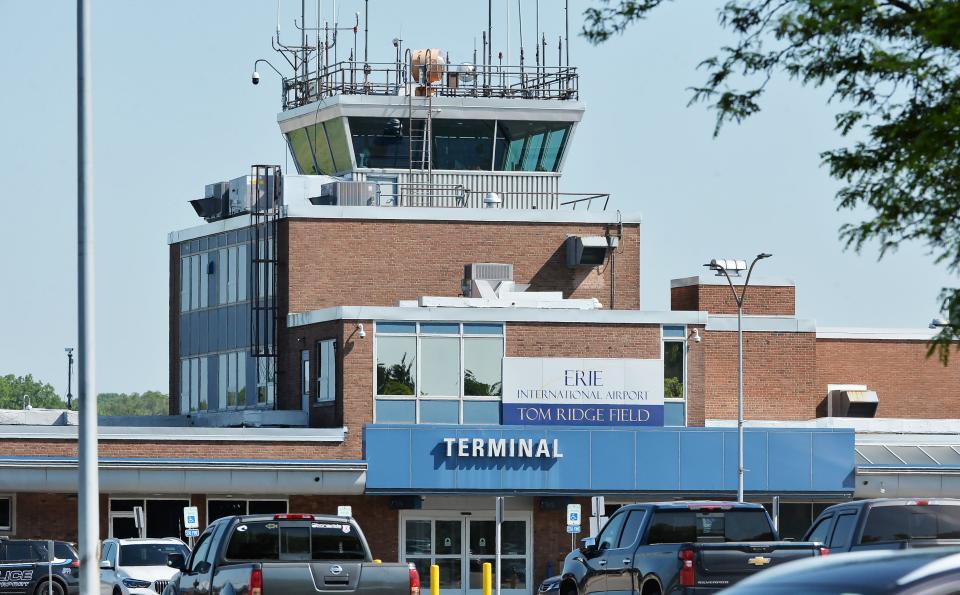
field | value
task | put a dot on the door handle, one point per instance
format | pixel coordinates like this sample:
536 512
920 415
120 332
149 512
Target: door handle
602 562
626 560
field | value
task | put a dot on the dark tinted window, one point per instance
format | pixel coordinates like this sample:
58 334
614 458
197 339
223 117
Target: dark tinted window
266 540
680 526
150 554
5 515
462 144
894 523
217 509
382 142
843 531
819 532
267 506
631 529
21 551
610 534
64 551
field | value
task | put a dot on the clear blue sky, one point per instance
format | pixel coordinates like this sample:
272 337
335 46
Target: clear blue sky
174 109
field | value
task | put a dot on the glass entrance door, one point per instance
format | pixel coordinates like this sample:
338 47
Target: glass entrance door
460 545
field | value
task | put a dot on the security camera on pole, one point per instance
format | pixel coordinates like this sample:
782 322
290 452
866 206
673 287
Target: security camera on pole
725 267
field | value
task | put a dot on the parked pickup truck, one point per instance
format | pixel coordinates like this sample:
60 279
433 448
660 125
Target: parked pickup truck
888 523
287 554
678 547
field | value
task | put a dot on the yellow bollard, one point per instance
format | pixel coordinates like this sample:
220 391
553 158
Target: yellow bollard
434 579
487 578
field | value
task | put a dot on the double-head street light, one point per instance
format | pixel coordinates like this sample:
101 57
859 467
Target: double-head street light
727 267
69 351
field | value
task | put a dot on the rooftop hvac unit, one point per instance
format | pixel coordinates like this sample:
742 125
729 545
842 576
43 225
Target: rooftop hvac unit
853 403
586 250
348 194
244 194
486 271
214 204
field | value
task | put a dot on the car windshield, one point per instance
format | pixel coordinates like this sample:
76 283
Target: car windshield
150 554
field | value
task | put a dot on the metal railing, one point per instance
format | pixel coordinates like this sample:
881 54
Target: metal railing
586 199
355 78
413 194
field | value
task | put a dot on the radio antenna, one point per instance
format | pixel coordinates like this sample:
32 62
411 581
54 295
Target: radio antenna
566 38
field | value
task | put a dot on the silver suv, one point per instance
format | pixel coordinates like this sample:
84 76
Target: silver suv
137 566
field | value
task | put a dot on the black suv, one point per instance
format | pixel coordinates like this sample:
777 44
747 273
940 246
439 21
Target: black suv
25 570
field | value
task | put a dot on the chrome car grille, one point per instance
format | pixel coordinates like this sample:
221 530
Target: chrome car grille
159 586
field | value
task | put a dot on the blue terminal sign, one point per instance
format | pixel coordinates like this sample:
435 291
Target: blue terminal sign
582 392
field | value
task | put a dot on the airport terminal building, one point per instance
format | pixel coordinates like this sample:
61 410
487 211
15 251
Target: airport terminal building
419 320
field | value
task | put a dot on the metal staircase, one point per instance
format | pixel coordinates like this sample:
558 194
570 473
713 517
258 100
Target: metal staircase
266 198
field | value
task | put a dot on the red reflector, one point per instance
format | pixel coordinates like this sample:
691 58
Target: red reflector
414 581
293 517
256 582
922 502
824 551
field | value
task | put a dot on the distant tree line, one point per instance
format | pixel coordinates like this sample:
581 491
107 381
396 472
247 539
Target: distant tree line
18 391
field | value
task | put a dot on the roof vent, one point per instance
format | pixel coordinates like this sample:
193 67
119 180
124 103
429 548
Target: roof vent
586 250
853 403
485 271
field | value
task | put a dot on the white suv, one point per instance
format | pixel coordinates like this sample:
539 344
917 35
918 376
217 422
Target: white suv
137 566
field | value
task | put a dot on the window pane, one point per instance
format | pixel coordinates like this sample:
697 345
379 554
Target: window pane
232 274
305 372
481 412
513 535
396 411
195 281
843 530
204 279
184 386
550 160
440 328
448 537
222 266
674 414
462 144
381 142
267 506
674 332
231 380
339 149
194 382
529 146
450 573
204 384
531 155
440 412
300 149
482 329
222 384
185 284
396 327
440 366
417 538
482 366
217 509
482 537
673 369
513 573
396 365
631 530
241 379
242 272
5 516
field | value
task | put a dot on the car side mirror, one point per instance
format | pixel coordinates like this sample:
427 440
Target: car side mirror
588 545
177 561
106 565
202 567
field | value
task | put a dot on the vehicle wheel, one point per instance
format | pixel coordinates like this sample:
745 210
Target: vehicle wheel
117 591
44 587
568 588
651 588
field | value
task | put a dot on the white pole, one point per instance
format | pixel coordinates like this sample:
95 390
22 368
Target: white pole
740 397
499 503
89 493
50 557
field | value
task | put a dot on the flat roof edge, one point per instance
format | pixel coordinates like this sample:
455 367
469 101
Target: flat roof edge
552 315
755 281
876 334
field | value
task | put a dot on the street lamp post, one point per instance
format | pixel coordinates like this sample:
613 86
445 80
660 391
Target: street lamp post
725 267
69 351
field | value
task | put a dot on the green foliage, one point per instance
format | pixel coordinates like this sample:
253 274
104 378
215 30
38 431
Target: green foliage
396 379
893 68
672 387
39 394
473 387
150 402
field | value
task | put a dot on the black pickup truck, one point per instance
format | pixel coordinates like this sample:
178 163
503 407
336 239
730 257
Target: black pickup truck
888 524
287 554
678 547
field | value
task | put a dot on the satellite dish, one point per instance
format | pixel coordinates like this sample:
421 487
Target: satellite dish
468 72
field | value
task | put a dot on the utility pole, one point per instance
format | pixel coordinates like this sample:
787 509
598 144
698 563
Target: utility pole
69 351
89 492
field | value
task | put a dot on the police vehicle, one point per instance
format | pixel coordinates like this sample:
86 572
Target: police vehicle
25 568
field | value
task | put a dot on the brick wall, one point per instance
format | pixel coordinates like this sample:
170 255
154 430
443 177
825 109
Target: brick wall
539 339
718 299
353 262
551 541
188 450
908 383
780 382
694 384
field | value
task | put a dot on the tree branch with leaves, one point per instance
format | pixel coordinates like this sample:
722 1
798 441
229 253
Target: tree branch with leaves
893 71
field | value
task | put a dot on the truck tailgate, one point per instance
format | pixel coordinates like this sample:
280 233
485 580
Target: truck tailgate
309 578
737 560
